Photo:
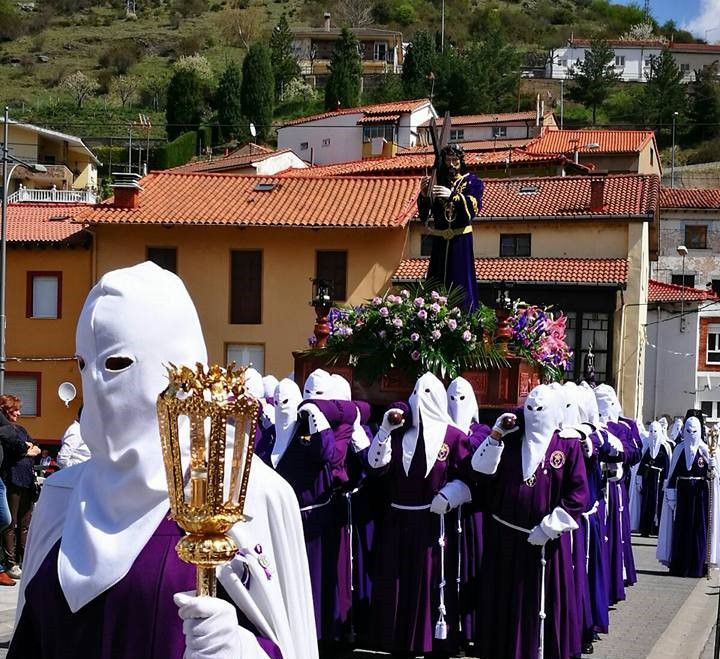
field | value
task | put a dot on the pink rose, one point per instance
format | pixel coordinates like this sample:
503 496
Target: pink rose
466 335
414 336
415 355
422 314
435 334
397 323
452 324
384 312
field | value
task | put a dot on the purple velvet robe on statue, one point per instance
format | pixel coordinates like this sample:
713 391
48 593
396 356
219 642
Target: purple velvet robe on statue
405 599
451 261
134 619
510 573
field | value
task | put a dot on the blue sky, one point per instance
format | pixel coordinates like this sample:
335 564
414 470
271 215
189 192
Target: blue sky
697 15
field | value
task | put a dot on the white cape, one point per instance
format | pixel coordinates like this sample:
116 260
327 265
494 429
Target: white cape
280 607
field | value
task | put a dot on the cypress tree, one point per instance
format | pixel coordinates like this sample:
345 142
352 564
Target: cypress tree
257 91
417 66
664 95
284 63
343 84
705 103
184 103
227 101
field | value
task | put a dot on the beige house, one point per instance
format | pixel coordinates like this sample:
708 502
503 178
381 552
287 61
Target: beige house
502 126
71 166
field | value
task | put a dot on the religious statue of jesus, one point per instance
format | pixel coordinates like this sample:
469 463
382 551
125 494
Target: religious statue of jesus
453 201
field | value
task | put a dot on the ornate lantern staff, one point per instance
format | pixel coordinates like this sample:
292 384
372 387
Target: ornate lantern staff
204 404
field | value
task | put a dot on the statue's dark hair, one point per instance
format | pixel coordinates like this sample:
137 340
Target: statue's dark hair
450 149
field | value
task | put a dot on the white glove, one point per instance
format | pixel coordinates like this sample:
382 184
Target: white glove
499 426
538 537
587 447
441 191
212 631
316 419
671 496
440 505
638 483
711 462
387 426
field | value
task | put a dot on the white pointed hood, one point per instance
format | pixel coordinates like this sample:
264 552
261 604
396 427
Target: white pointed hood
692 440
676 430
608 404
656 438
428 403
340 388
269 384
571 409
543 411
663 423
588 405
462 404
286 400
144 316
319 386
254 383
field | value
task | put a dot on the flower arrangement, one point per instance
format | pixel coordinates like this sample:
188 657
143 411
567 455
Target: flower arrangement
539 337
421 329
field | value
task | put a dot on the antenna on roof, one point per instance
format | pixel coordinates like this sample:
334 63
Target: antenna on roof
253 132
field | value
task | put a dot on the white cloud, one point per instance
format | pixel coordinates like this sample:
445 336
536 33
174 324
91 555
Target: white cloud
708 20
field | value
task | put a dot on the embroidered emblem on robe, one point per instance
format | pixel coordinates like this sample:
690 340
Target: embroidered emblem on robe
557 459
443 452
701 462
530 482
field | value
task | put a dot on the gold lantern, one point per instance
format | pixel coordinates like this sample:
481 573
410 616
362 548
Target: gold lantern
197 408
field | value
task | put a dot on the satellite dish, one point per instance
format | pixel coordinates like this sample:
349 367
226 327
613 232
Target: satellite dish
67 392
253 132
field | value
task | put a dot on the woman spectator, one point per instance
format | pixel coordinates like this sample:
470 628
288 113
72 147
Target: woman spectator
19 478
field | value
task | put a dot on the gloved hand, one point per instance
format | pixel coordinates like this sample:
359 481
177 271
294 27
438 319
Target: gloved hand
440 505
388 423
316 419
504 425
671 496
210 627
538 537
712 462
441 192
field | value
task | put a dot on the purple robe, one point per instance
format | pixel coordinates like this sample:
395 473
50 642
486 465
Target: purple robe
451 261
653 472
510 572
134 619
404 606
689 541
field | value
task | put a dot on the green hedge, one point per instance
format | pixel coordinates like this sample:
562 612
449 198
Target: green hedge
175 153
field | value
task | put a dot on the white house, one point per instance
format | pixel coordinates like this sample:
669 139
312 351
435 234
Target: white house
350 134
247 159
506 125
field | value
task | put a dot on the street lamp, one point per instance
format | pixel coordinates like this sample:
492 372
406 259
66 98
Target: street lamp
682 251
6 174
672 162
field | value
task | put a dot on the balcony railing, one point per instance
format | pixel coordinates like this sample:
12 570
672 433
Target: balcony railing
53 195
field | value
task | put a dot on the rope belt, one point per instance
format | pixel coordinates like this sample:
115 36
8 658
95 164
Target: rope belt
586 517
315 506
441 624
543 564
691 478
399 506
449 234
656 468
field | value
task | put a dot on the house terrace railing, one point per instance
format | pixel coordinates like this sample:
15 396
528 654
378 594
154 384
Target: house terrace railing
53 195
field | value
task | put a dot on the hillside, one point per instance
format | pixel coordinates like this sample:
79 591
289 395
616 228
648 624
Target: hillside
48 40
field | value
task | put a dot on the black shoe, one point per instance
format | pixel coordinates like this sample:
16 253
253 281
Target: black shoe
588 648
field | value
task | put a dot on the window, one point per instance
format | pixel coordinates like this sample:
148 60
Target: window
379 130
619 60
716 286
499 131
380 51
457 134
514 244
562 63
246 287
706 407
303 146
685 67
332 266
683 280
584 328
49 160
246 354
713 344
165 257
652 157
696 236
26 386
44 293
648 62
326 141
426 244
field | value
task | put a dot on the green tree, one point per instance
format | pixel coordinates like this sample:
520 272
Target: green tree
185 104
594 77
227 101
417 66
284 63
257 92
704 112
665 96
343 84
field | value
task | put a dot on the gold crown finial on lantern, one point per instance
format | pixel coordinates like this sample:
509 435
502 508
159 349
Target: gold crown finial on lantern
194 414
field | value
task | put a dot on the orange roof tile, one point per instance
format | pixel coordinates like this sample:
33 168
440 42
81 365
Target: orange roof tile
42 223
231 161
690 198
226 199
607 141
659 291
394 107
379 119
531 270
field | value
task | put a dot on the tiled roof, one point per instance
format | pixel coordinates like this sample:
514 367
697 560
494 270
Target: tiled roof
393 107
532 270
707 198
474 145
419 163
624 196
584 141
379 119
231 161
479 119
42 223
659 291
694 47
627 43
226 199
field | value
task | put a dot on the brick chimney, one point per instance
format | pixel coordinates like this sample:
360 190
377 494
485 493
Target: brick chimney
326 16
126 190
597 194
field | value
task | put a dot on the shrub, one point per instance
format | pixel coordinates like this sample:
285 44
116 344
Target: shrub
120 56
175 153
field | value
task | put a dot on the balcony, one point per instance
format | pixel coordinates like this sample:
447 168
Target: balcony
52 196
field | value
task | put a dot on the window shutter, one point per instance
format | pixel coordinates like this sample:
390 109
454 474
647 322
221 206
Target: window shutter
246 287
332 266
25 387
